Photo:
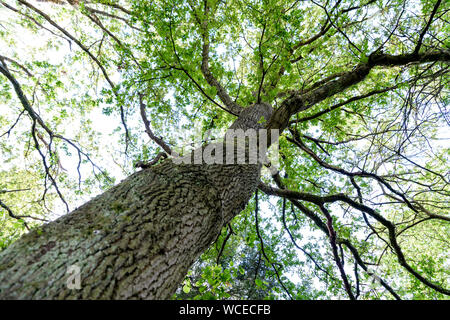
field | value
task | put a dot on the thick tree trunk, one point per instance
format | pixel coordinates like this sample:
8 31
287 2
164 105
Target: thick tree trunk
136 240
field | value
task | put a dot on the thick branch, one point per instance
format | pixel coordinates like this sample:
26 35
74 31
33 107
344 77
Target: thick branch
209 77
300 102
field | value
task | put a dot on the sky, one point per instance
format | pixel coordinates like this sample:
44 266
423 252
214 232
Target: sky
102 123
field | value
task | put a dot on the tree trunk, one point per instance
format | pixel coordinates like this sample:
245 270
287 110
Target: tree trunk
136 240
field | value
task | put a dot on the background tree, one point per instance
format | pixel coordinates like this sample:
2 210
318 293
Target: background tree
358 208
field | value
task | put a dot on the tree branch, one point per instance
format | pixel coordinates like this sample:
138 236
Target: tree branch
94 58
209 77
300 102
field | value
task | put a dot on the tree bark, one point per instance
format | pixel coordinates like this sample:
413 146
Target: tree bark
136 240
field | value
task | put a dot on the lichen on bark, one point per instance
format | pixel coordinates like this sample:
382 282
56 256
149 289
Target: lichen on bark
138 239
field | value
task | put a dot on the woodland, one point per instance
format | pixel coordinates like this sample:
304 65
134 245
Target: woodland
97 98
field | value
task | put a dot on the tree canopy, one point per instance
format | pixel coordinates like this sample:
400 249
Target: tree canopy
359 205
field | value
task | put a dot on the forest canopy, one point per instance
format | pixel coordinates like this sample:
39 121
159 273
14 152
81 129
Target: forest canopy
358 206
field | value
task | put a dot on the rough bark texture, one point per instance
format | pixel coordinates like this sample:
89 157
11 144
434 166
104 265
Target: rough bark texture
136 240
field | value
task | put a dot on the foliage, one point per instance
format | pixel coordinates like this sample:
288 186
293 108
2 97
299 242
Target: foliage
88 68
